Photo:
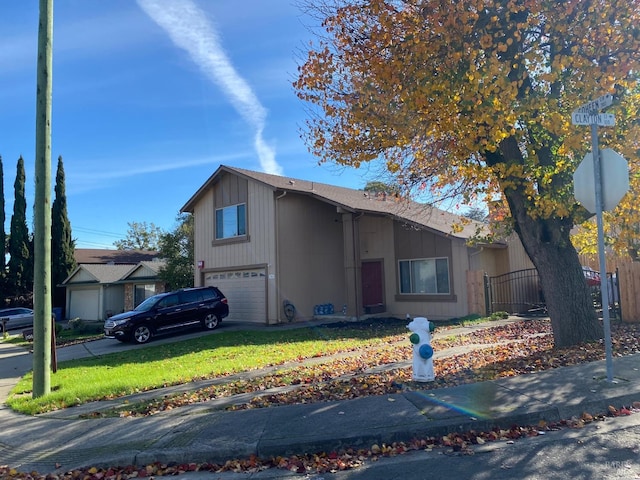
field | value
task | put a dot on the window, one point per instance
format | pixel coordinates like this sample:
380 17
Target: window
142 292
231 221
168 301
429 276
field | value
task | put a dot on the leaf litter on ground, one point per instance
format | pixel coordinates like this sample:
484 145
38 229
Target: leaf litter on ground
515 349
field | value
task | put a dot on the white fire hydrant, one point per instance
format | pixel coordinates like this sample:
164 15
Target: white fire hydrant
422 350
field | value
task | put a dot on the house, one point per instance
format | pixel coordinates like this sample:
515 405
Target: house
106 282
265 239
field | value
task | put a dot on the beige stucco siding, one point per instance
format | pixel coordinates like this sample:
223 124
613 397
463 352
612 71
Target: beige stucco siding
310 245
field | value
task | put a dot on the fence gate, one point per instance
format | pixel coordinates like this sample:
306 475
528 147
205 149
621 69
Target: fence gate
520 293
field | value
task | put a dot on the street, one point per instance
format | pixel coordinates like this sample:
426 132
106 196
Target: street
603 450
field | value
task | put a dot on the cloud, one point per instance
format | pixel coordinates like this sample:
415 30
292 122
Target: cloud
188 27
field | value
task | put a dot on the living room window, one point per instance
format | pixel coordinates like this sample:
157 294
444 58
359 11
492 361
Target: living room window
426 276
231 221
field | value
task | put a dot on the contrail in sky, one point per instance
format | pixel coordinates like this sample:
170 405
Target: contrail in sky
187 26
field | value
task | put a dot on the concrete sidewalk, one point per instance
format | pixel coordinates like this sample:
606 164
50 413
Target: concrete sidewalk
60 441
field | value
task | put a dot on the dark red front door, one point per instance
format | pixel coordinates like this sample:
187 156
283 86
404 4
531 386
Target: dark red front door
372 291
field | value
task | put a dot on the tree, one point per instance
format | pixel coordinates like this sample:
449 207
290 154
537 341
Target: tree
19 275
176 249
473 99
62 244
3 236
381 187
475 213
140 236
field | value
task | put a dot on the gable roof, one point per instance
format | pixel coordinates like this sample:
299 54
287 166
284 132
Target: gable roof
99 273
356 201
106 274
104 256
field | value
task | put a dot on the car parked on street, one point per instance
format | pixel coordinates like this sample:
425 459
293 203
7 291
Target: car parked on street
16 317
169 312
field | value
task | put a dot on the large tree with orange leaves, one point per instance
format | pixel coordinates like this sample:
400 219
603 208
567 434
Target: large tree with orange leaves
474 97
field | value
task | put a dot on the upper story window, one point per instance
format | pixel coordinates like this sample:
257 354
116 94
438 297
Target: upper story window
428 276
231 221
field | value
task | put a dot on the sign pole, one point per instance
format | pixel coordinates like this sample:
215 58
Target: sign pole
604 284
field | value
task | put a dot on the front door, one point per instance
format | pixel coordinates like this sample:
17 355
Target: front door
372 283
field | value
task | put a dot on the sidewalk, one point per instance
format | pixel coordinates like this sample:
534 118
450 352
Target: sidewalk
59 441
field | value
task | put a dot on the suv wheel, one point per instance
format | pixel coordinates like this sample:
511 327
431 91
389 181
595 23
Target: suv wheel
211 321
141 334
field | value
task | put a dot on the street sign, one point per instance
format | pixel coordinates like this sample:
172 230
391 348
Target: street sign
601 119
614 176
595 105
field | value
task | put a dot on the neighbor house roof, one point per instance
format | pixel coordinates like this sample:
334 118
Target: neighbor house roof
356 201
106 274
100 273
104 256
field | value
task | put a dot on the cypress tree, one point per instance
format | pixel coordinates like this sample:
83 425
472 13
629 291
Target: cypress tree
3 235
62 245
18 273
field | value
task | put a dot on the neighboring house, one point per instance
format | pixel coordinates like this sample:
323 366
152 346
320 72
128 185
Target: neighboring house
107 282
264 239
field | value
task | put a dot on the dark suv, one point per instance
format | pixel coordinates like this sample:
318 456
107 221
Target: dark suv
168 312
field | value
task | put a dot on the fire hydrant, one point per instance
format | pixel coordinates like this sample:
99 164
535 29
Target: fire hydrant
422 350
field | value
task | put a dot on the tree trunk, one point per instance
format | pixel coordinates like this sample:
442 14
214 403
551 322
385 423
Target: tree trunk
547 241
568 298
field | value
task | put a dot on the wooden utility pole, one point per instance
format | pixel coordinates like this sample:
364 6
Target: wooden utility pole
42 324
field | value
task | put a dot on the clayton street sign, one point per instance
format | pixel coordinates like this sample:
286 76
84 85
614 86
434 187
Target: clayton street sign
585 118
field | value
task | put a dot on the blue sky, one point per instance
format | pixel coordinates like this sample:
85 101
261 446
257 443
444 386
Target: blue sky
149 98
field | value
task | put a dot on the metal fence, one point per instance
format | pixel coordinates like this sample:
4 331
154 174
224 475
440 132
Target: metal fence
520 293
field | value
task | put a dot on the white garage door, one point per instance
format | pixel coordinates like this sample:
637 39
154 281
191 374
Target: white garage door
246 292
85 304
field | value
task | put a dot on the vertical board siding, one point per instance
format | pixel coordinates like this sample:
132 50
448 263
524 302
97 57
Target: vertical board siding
475 289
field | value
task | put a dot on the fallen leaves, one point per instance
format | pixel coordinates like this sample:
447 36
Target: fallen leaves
495 352
516 349
454 443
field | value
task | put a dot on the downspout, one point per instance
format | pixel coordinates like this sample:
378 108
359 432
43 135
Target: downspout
277 239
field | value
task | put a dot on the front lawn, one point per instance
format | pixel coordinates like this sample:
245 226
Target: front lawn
209 356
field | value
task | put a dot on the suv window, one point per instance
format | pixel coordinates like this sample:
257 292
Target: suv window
209 294
191 296
168 301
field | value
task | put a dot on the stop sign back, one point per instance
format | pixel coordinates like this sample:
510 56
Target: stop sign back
615 180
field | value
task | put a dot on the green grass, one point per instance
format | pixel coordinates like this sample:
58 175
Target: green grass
137 370
209 356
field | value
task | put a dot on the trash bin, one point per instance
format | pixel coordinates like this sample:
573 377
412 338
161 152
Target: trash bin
57 313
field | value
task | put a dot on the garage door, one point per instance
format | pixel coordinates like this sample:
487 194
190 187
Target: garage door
85 304
246 292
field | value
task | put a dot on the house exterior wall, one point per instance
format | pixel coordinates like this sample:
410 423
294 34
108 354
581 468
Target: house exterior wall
256 249
311 253
388 241
518 258
490 260
416 244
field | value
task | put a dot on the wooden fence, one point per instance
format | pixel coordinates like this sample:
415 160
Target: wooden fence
628 273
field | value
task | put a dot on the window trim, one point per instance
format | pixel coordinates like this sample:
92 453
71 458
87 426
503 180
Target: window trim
430 295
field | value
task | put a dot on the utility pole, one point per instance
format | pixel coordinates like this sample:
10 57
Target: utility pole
42 323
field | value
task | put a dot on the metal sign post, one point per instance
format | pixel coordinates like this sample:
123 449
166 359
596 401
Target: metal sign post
604 287
587 114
